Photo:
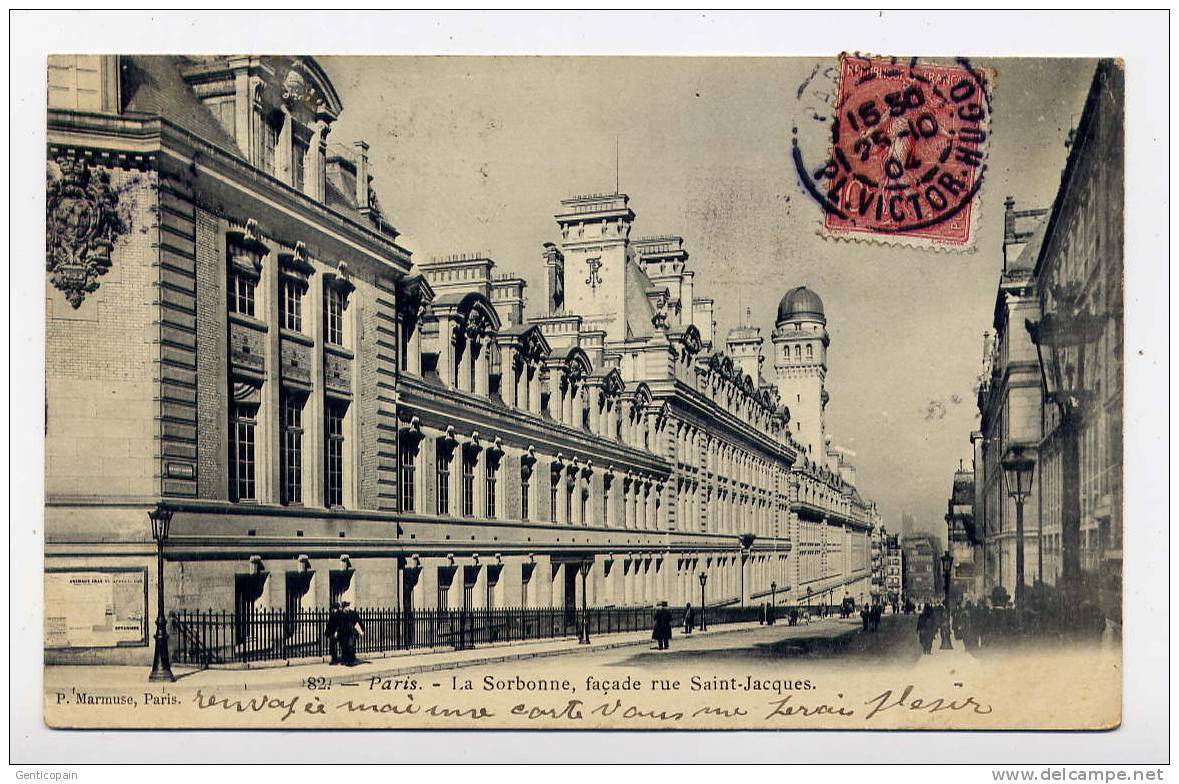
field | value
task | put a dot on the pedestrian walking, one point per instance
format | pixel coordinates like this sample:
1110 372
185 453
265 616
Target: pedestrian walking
769 614
661 632
332 631
926 629
689 619
351 627
962 625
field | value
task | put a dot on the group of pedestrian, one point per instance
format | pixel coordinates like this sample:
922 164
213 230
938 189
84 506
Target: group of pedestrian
344 627
768 615
847 607
870 616
933 620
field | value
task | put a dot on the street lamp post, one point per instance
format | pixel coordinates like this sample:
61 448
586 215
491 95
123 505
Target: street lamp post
746 541
161 666
584 568
1018 468
703 621
773 593
947 565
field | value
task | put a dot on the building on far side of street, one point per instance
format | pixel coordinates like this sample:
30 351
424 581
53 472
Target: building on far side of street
922 568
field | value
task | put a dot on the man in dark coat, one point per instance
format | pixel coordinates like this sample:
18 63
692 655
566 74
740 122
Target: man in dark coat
874 615
662 632
926 629
351 627
332 631
689 619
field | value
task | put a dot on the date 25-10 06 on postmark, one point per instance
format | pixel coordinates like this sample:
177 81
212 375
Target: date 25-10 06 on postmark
907 152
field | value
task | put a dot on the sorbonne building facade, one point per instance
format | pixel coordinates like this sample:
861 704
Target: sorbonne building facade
235 334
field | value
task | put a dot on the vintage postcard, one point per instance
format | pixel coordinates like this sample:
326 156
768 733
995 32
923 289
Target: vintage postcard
671 393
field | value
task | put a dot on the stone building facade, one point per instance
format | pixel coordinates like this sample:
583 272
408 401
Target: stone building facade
1068 264
1009 405
1080 268
236 334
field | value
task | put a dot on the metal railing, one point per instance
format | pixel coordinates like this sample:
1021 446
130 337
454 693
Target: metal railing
211 637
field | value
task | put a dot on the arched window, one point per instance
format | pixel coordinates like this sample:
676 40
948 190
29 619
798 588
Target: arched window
810 351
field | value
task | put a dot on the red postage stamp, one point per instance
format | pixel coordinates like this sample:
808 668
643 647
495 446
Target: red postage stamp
907 152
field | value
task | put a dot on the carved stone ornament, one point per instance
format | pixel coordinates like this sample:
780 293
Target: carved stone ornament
82 222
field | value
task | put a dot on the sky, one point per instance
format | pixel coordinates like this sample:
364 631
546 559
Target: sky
474 154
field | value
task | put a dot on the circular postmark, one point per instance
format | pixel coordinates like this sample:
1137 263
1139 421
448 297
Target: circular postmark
906 150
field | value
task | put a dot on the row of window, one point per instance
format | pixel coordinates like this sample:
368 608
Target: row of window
572 504
243 450
242 288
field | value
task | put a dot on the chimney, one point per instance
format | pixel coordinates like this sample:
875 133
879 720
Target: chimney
361 148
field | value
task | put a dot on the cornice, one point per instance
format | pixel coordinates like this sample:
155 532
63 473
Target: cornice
187 152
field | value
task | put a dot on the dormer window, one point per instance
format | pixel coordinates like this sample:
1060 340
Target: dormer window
267 145
298 164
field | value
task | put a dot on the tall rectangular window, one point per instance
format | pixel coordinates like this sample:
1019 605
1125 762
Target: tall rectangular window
408 455
525 491
298 164
554 486
334 454
241 293
568 502
292 449
292 305
267 144
442 479
468 489
242 477
489 481
333 322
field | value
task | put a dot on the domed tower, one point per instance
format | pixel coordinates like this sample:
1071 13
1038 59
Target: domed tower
800 367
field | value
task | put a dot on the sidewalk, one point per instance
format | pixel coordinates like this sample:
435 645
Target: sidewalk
394 664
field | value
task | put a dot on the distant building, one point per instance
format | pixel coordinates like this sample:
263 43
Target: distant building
894 569
922 568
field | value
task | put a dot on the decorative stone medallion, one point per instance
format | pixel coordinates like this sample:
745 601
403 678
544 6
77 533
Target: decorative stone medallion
81 224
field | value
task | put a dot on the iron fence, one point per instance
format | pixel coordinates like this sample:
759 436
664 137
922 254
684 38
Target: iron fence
210 637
